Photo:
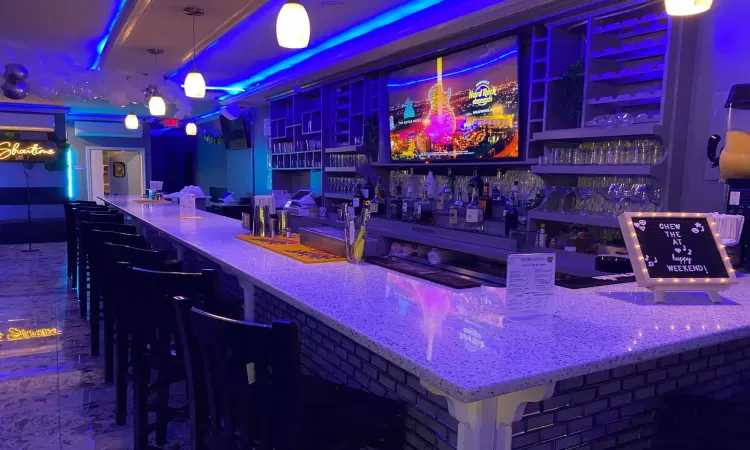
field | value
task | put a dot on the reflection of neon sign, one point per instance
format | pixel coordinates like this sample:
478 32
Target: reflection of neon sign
12 151
18 334
483 94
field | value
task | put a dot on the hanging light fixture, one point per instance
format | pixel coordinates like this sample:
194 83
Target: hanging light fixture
293 25
131 121
687 7
195 85
191 129
156 105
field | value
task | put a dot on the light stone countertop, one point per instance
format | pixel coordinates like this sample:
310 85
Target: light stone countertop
458 340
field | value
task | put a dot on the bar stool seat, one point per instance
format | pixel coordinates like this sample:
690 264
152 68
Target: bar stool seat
71 229
83 250
247 392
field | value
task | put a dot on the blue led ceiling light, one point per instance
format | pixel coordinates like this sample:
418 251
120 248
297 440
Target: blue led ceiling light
368 26
457 72
103 42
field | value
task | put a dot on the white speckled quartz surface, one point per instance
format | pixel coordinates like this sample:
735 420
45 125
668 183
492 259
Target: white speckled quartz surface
458 340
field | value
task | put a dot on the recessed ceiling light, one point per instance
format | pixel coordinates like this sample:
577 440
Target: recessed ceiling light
332 3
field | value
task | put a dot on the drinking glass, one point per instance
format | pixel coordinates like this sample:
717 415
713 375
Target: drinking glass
547 191
583 194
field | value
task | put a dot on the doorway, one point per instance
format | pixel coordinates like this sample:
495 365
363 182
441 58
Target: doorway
115 171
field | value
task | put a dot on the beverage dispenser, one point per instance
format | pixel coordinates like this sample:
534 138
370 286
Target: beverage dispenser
734 159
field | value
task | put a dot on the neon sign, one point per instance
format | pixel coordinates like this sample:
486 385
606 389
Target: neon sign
26 151
483 94
19 334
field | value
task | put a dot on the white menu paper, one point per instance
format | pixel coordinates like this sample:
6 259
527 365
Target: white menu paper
530 284
187 206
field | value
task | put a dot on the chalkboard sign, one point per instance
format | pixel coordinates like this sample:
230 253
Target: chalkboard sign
676 251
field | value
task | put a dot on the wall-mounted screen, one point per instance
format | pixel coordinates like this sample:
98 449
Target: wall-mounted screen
462 106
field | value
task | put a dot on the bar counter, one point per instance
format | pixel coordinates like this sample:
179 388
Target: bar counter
420 341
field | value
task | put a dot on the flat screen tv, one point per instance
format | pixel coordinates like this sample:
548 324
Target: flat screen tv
458 107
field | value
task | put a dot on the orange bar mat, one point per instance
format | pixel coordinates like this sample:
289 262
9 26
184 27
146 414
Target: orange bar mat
152 202
292 248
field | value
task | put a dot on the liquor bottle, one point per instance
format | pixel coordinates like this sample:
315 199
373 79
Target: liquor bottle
485 203
541 237
457 210
396 202
407 207
511 217
430 183
377 204
474 216
359 199
423 209
445 196
496 186
475 183
451 182
367 189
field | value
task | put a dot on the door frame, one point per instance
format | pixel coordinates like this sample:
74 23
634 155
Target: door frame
90 168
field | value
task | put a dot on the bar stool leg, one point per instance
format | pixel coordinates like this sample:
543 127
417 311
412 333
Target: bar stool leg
162 408
109 342
121 375
140 400
94 319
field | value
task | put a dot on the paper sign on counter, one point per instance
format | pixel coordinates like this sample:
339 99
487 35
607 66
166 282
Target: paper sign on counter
530 284
187 206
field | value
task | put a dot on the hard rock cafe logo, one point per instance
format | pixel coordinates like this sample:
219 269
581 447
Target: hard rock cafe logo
483 94
25 151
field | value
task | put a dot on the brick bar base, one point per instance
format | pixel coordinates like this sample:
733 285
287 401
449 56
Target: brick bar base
603 410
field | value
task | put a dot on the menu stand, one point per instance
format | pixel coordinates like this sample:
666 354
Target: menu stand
676 251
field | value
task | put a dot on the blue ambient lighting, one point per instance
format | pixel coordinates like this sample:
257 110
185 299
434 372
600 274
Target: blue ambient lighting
69 158
468 69
354 32
103 42
235 90
207 115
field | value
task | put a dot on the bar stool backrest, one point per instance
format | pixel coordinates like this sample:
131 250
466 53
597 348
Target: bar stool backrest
99 237
135 256
106 226
241 378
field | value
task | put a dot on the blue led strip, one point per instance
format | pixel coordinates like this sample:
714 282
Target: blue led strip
103 42
356 31
69 158
446 75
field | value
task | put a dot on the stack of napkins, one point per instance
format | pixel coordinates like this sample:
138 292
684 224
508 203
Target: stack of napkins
729 227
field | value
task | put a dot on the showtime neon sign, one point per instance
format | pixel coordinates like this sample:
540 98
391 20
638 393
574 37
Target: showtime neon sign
26 151
19 334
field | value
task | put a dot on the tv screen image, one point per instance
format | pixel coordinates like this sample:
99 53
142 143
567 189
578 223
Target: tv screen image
462 106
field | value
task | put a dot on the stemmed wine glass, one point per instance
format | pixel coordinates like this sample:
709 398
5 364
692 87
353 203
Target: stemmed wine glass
655 199
640 194
583 194
547 191
563 193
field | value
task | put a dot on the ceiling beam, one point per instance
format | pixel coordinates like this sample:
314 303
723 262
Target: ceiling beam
131 14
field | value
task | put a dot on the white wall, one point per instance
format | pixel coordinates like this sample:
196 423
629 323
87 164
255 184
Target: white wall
722 60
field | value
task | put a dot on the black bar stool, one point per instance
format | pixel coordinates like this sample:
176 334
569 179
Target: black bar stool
83 247
272 405
145 311
97 235
110 255
70 231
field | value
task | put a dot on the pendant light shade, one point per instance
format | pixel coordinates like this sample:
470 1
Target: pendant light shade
195 85
156 106
293 26
191 129
131 122
687 7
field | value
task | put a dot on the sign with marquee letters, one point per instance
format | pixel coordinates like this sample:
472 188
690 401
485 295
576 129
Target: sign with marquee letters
676 252
27 151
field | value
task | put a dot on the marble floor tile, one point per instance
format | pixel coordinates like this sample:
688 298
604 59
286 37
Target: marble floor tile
52 392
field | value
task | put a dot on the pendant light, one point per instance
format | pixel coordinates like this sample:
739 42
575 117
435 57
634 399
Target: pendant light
293 25
195 85
191 129
687 7
156 105
131 121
